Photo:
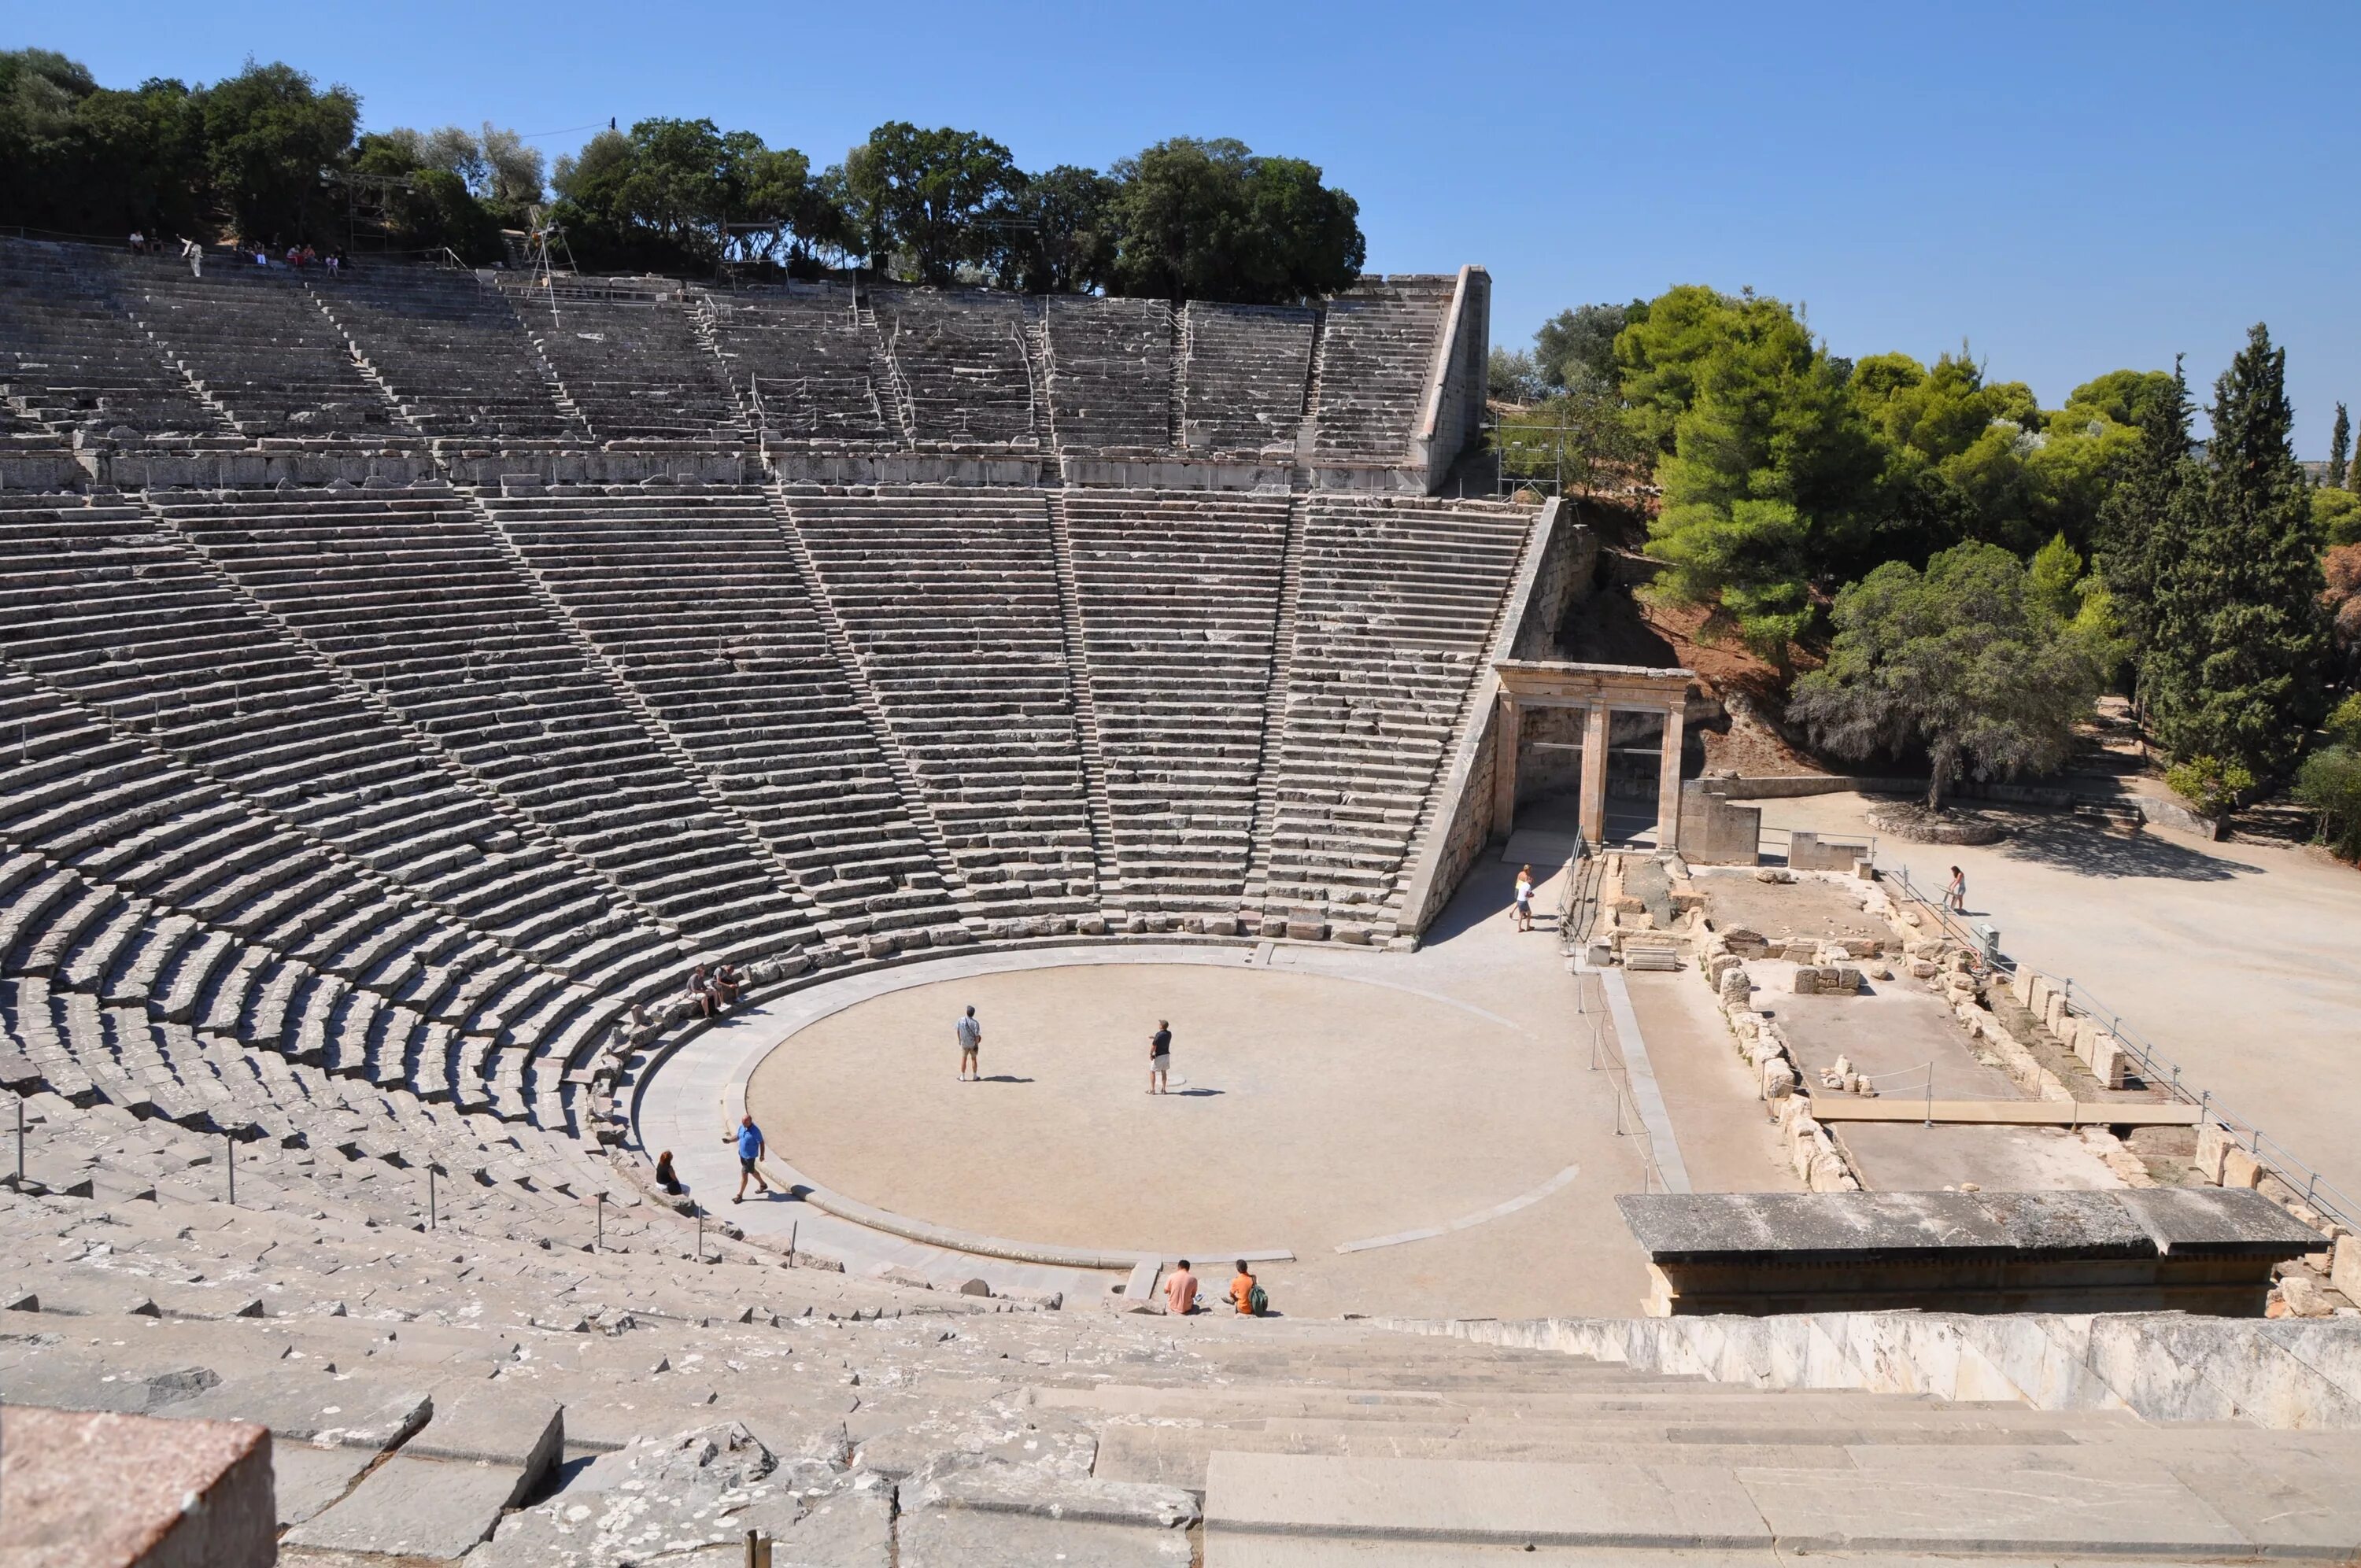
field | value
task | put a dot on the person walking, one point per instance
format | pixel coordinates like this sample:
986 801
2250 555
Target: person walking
1245 1295
1955 896
1181 1291
971 1041
195 254
1525 898
749 1149
1159 1056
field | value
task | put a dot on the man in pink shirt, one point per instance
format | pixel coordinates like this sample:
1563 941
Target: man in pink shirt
1181 1291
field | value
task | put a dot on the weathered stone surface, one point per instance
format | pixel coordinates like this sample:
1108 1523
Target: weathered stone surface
421 1507
110 1489
959 1537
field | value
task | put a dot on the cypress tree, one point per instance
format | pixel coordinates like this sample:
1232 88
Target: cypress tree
2133 526
2236 654
2340 445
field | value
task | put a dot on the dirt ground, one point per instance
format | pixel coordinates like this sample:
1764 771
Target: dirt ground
1805 907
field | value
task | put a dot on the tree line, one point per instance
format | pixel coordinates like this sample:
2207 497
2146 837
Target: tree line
271 157
1967 569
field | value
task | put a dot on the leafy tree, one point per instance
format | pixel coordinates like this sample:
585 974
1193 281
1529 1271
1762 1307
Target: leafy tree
1577 439
1213 220
923 195
2137 521
1659 356
433 207
2336 516
2239 646
2057 569
1575 349
1773 468
2340 447
2127 397
83 160
1963 660
685 194
1055 233
2329 784
1513 377
269 133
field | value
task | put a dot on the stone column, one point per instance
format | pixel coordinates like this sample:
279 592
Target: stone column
1507 736
1594 772
1668 781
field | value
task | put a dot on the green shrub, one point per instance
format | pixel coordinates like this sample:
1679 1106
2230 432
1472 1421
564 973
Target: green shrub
2330 784
2344 724
2209 784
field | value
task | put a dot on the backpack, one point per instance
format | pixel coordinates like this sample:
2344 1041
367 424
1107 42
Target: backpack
1257 1302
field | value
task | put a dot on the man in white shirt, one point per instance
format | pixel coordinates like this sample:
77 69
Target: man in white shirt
971 1041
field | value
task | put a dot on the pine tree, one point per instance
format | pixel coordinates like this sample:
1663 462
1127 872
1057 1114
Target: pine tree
2133 526
2237 655
2340 446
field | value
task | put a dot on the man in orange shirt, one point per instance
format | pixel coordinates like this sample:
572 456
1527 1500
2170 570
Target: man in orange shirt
1242 1291
1181 1291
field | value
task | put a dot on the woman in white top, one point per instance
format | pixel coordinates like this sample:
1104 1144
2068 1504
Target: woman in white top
1525 898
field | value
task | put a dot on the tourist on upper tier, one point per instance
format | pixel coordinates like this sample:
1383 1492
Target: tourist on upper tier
294 255
1245 1295
310 258
1181 1291
261 257
749 1149
700 989
1955 897
195 254
1525 899
138 242
1159 1056
665 1177
971 1041
728 980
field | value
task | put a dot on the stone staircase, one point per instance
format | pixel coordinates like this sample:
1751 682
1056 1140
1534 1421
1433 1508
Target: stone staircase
1274 723
1087 738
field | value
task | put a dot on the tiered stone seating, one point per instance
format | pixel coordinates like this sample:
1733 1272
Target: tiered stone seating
1110 371
1246 372
74 361
1375 353
452 352
1393 621
696 598
140 883
950 599
258 343
126 617
639 372
961 357
1179 596
855 1421
814 362
410 593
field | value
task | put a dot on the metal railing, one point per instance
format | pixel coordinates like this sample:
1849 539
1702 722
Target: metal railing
2156 1068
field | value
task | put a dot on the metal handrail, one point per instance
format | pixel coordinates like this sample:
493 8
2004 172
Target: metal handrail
2160 1071
1626 1109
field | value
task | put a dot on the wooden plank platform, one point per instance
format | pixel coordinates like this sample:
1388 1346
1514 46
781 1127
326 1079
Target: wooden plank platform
2007 1113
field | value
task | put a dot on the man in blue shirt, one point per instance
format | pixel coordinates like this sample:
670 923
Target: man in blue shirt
749 1149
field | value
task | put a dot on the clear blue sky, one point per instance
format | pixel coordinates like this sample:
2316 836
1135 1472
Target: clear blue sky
2071 188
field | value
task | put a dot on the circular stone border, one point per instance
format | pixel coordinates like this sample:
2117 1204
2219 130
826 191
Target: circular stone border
1914 822
825 997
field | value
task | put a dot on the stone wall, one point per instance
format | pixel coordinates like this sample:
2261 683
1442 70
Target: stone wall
1454 397
1561 580
1713 832
2161 1366
1806 852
